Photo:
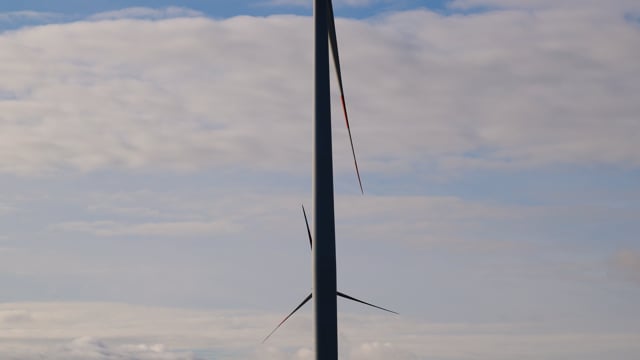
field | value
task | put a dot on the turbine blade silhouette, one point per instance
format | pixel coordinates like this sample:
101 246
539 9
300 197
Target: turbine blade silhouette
308 231
333 41
288 316
339 293
343 295
364 302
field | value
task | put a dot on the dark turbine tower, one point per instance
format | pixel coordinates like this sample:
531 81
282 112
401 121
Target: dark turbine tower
324 250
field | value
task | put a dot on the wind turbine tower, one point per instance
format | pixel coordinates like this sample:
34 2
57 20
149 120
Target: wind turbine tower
323 241
324 252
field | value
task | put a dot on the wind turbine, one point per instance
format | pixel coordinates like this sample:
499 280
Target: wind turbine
306 299
324 289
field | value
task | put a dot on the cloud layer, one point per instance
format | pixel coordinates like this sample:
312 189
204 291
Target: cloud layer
55 331
456 91
157 156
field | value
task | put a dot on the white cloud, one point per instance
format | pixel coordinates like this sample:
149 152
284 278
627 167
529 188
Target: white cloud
305 3
106 331
146 13
10 316
507 89
88 348
380 351
360 3
545 4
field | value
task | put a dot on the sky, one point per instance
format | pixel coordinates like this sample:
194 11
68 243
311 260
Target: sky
154 156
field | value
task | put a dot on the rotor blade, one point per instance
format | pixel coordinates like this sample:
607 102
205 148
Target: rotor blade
364 302
336 62
288 316
307 222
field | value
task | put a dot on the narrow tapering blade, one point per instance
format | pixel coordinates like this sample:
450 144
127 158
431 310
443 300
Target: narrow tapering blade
364 302
308 230
288 316
336 62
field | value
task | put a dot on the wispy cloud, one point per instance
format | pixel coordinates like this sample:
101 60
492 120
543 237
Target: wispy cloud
87 347
180 229
304 3
105 330
146 13
29 16
578 5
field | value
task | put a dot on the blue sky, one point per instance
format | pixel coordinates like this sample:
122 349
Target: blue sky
154 156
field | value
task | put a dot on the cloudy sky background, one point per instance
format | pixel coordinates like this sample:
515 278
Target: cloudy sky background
154 156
